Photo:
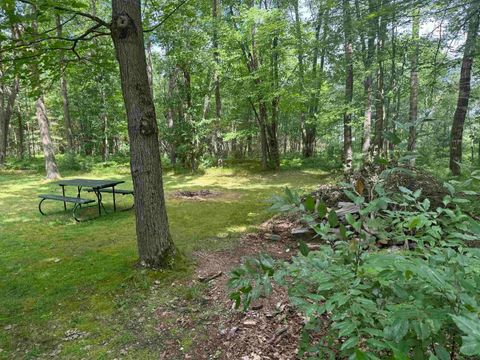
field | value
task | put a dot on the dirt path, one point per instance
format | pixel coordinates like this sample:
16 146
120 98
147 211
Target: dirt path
269 330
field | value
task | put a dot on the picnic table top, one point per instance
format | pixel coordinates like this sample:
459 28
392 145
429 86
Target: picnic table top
93 183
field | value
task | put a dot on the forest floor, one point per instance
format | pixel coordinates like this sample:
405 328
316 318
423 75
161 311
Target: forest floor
72 290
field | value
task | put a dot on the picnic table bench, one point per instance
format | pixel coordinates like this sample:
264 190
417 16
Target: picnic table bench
93 185
114 191
76 200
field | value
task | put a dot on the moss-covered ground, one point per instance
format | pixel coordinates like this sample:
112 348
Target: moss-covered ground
68 289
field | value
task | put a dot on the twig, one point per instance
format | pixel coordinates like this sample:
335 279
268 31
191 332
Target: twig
165 18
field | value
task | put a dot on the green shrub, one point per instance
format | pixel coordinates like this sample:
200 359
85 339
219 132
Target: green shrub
405 305
401 304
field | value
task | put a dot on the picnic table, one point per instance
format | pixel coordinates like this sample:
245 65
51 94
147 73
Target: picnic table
97 186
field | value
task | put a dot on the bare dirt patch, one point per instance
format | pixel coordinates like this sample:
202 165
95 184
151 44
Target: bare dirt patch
269 330
195 195
203 195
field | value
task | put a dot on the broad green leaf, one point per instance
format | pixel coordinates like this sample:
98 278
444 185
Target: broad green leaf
309 203
399 329
332 218
322 210
350 343
360 355
405 190
442 353
304 250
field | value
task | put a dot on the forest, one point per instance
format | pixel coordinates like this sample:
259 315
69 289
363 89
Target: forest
302 179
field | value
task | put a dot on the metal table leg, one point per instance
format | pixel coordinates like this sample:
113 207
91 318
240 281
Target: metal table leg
99 200
64 203
114 205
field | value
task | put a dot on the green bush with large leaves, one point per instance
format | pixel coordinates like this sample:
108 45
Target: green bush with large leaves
401 304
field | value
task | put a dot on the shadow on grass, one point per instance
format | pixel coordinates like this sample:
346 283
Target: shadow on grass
58 274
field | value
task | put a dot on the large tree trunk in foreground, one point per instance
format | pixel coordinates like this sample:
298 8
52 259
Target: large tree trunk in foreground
155 245
347 117
48 150
413 113
464 90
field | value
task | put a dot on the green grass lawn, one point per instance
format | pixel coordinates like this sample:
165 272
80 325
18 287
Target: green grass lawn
57 275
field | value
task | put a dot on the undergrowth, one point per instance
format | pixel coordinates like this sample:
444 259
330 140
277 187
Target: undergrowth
418 299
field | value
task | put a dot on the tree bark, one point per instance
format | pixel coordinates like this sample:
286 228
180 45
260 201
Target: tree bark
190 158
21 147
262 120
380 100
262 116
170 115
43 123
311 129
347 116
155 245
368 82
216 78
273 146
64 92
301 78
413 111
48 149
395 89
150 65
464 90
8 95
104 117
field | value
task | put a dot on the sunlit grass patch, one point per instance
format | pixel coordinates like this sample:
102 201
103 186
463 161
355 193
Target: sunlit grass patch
58 275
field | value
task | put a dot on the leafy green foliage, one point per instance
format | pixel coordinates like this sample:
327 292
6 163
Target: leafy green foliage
402 304
391 303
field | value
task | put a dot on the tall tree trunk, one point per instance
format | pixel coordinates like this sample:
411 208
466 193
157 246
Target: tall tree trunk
347 116
413 112
48 149
43 123
191 156
317 75
380 100
368 82
104 114
464 89
8 95
262 120
64 92
104 117
274 147
155 245
150 65
21 147
216 79
301 77
262 116
395 86
398 97
29 140
170 115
